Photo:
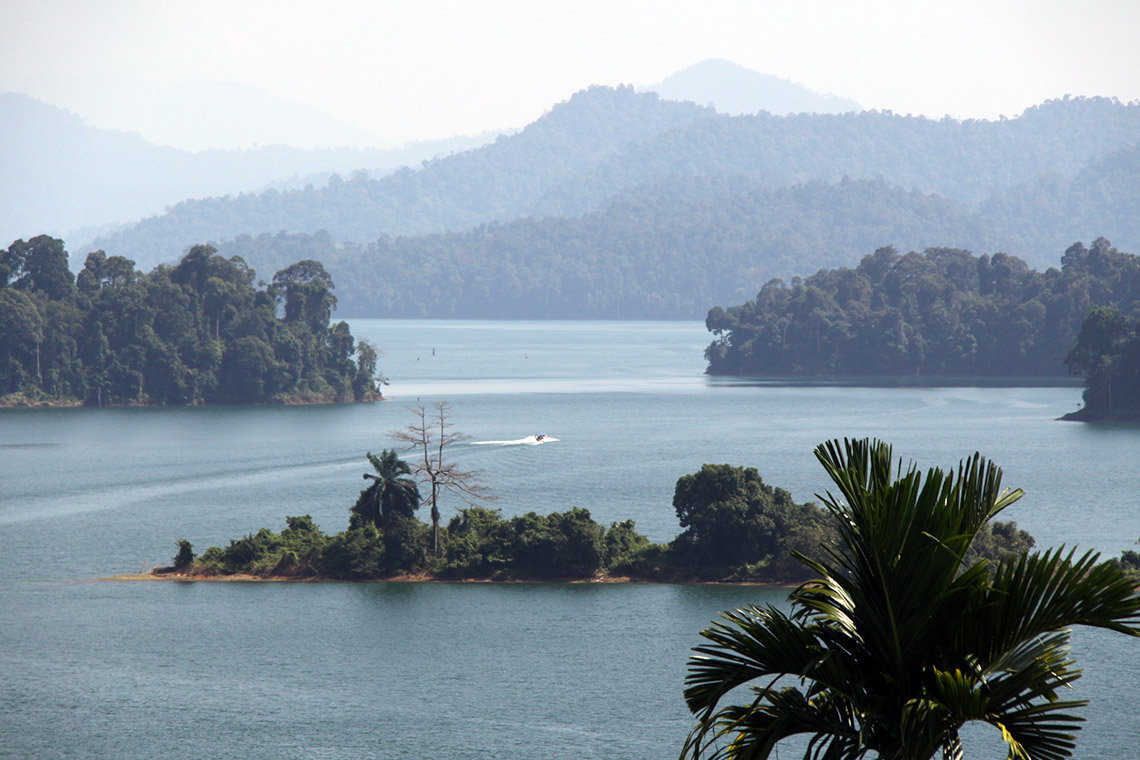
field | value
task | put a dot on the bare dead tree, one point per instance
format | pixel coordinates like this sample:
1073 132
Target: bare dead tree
429 436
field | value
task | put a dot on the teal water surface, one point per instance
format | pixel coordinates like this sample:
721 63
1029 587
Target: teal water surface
117 670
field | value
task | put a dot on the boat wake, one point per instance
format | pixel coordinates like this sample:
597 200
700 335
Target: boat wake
530 440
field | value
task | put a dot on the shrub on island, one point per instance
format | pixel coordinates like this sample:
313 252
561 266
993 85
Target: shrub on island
477 544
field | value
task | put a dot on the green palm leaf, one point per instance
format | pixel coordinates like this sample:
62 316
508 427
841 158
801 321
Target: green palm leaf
896 644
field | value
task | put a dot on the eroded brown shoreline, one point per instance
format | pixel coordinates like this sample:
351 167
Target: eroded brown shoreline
423 578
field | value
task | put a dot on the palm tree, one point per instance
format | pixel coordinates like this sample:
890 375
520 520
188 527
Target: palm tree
392 492
897 644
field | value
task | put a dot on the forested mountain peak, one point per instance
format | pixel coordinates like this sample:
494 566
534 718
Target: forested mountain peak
609 117
734 89
1072 108
965 161
23 117
40 146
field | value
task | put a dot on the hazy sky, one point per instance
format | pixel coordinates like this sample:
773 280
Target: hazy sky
390 72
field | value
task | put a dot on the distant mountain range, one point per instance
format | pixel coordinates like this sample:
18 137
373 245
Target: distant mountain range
525 174
603 142
63 176
619 203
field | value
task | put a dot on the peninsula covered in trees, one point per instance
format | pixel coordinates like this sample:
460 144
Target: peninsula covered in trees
198 332
942 312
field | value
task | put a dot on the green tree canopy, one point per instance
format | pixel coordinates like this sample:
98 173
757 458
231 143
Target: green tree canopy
729 514
42 266
21 333
306 290
197 332
941 312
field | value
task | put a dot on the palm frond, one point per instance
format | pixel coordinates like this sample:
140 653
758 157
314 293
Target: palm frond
895 643
751 732
1037 593
749 644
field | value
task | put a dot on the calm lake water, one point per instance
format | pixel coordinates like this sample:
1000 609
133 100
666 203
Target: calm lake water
96 669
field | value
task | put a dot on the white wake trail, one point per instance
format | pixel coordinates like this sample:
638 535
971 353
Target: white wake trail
530 440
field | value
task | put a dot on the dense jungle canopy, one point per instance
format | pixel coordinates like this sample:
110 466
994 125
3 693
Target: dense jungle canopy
197 332
941 312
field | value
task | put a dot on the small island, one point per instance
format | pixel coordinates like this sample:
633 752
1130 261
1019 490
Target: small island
1108 355
198 332
737 529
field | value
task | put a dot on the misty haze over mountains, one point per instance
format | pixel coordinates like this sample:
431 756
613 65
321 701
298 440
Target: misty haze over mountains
207 115
588 206
60 176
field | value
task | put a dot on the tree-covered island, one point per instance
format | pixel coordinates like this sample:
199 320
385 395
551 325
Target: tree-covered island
939 313
737 528
1108 355
198 332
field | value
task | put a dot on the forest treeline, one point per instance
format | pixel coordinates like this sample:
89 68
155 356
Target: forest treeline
196 332
1011 176
736 527
942 312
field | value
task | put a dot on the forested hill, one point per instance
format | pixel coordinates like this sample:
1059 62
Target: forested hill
673 247
605 141
666 251
964 161
945 312
1051 212
497 181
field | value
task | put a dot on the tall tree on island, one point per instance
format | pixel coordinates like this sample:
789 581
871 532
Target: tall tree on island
430 436
899 642
391 493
